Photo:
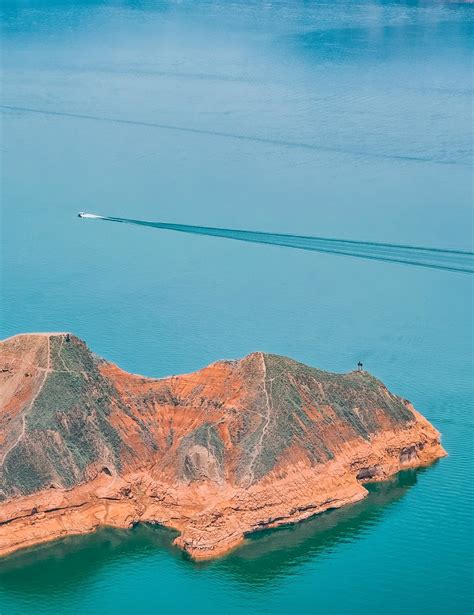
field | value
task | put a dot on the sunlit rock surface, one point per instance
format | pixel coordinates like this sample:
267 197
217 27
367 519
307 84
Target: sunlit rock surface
235 447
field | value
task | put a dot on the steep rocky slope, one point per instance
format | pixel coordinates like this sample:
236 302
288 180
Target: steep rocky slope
235 447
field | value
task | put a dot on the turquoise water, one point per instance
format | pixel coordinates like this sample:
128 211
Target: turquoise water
347 120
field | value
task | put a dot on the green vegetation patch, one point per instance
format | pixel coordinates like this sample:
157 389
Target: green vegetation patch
62 391
72 355
23 471
70 419
357 399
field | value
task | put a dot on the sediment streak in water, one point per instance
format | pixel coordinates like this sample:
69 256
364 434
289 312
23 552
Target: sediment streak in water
434 258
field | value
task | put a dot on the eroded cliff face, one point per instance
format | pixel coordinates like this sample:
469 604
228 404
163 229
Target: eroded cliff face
233 448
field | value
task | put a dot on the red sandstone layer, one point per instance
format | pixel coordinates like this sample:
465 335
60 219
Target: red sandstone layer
236 447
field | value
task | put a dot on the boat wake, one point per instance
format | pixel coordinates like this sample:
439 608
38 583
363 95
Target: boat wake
459 261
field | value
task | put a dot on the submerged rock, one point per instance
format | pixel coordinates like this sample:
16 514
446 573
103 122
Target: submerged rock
235 447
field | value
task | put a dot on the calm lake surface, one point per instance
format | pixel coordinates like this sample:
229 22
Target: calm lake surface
342 119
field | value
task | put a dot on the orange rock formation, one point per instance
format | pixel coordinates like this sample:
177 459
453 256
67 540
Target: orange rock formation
233 448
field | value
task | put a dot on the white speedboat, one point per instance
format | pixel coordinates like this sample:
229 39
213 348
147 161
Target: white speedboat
82 214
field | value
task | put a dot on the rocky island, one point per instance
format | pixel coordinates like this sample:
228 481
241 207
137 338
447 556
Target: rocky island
233 448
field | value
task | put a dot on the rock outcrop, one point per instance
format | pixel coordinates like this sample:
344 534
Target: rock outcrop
235 447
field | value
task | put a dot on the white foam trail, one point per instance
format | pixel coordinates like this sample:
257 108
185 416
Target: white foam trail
91 216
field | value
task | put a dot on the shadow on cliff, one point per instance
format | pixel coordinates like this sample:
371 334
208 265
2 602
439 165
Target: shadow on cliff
71 562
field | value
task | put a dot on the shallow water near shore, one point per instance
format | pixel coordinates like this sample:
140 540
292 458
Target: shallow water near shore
346 120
